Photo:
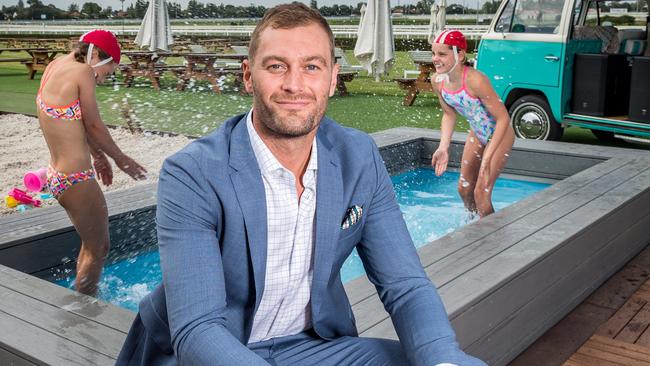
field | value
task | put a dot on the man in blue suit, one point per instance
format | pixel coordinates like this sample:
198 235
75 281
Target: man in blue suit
255 221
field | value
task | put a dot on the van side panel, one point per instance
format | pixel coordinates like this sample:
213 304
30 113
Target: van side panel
505 62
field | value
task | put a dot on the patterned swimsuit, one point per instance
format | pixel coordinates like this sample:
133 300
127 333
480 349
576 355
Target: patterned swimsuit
57 181
470 107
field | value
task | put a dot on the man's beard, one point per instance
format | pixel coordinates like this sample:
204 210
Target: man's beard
292 126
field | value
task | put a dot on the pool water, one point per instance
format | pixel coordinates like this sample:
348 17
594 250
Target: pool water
431 207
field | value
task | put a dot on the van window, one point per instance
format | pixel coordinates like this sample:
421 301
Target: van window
503 25
531 16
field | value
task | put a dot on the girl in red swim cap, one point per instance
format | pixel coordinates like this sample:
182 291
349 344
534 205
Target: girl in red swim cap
466 91
68 89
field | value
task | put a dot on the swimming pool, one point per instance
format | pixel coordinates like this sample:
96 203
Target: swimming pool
431 208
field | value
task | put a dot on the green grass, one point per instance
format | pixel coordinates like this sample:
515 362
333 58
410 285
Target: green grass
371 106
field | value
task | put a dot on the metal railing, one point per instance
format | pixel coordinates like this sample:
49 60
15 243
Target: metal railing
243 31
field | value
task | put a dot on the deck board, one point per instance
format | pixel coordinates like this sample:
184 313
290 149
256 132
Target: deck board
460 240
9 358
28 342
84 306
540 226
636 326
622 340
70 327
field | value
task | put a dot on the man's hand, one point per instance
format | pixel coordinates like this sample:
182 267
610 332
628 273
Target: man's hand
130 167
103 168
439 161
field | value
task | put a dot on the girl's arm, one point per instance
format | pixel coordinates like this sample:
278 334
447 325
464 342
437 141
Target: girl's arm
440 157
96 132
480 87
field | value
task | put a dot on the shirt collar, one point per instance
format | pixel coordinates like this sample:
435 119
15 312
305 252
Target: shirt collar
267 161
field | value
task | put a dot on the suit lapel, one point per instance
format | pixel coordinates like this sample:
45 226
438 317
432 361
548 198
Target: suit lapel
329 198
249 189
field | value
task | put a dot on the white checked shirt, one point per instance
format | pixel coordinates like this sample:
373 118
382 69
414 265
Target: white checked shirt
285 308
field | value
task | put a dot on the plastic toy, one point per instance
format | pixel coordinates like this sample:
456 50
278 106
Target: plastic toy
23 208
11 202
35 180
21 196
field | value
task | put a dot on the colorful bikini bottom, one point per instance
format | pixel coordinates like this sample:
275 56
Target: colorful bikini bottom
58 182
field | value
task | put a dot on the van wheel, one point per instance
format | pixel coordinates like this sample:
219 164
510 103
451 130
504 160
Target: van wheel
532 119
605 136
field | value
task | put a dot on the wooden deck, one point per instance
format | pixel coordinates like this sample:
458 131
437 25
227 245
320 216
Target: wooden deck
623 340
505 280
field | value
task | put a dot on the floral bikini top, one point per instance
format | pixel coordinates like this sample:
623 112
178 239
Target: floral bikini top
470 107
71 111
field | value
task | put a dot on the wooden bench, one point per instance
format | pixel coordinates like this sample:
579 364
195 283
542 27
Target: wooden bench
341 79
17 59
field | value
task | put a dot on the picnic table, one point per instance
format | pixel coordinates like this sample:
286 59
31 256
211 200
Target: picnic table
39 58
146 64
58 43
214 44
201 66
422 82
346 73
198 66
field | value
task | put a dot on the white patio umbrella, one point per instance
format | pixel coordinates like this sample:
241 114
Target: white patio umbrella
442 15
375 48
433 22
361 16
155 31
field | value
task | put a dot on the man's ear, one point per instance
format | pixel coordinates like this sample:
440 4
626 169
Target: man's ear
335 73
248 76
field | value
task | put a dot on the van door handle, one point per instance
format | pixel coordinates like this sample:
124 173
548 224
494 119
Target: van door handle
551 58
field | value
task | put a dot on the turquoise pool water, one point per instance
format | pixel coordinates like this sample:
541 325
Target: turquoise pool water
431 207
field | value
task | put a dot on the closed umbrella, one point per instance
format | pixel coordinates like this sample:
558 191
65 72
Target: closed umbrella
155 31
442 15
375 48
362 12
433 22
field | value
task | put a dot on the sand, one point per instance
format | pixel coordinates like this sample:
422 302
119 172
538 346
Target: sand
23 148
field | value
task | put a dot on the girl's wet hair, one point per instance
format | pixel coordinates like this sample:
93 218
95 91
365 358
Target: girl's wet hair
82 50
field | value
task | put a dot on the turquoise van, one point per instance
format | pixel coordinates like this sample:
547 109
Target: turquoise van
556 63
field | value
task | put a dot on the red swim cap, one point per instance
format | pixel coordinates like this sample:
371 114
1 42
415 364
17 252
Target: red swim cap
452 38
105 40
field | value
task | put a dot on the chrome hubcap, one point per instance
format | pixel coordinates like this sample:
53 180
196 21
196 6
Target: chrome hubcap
530 122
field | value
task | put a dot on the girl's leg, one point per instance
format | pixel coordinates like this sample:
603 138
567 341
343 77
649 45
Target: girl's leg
469 167
85 204
483 195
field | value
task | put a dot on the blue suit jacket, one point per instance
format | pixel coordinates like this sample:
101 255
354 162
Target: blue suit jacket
211 222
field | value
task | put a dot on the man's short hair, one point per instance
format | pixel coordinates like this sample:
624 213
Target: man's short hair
288 16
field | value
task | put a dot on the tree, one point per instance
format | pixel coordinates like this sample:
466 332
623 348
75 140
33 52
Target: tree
91 10
35 3
174 10
140 8
313 4
195 9
73 8
490 7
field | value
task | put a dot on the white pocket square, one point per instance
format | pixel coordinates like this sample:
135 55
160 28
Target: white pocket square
352 216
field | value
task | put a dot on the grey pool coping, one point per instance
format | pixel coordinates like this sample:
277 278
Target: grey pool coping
504 280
